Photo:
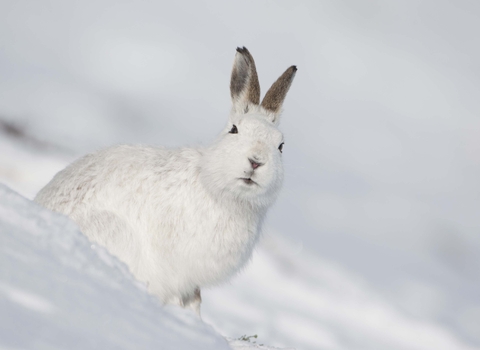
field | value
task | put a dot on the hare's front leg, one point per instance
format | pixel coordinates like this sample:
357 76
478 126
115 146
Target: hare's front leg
193 301
189 301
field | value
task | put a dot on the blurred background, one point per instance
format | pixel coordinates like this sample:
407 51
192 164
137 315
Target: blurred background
374 242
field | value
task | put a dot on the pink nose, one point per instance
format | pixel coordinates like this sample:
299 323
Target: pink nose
255 164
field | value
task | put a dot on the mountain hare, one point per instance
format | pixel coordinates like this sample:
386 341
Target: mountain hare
188 218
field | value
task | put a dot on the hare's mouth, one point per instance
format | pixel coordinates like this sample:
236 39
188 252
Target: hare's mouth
248 181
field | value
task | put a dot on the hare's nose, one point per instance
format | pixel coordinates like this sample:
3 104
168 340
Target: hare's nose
254 163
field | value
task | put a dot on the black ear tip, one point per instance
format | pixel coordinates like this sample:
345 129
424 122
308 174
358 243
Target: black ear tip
294 68
242 49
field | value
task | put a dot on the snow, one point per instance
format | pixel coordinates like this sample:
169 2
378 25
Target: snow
374 242
298 298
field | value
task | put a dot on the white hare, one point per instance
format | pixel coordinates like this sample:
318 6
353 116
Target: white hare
188 218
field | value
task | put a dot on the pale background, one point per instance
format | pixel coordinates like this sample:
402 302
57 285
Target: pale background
382 151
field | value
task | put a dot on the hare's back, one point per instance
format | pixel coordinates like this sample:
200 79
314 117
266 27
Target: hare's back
118 176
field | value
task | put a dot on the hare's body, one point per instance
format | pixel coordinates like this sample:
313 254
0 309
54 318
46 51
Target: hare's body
149 207
181 219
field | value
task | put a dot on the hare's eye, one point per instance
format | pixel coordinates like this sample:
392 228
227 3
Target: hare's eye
280 148
234 130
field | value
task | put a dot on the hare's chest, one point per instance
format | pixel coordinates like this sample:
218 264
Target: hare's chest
223 248
202 239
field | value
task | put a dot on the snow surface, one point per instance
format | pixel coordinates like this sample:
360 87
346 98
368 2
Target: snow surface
377 226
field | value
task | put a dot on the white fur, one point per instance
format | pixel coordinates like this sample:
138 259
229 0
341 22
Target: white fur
181 219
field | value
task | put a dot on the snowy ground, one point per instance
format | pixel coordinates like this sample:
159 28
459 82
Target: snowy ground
374 242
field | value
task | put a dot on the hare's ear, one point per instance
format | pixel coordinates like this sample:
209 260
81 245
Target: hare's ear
273 100
244 86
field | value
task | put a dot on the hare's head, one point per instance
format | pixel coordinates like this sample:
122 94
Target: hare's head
246 160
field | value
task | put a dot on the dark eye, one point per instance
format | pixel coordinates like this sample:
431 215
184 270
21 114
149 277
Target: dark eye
280 148
234 130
